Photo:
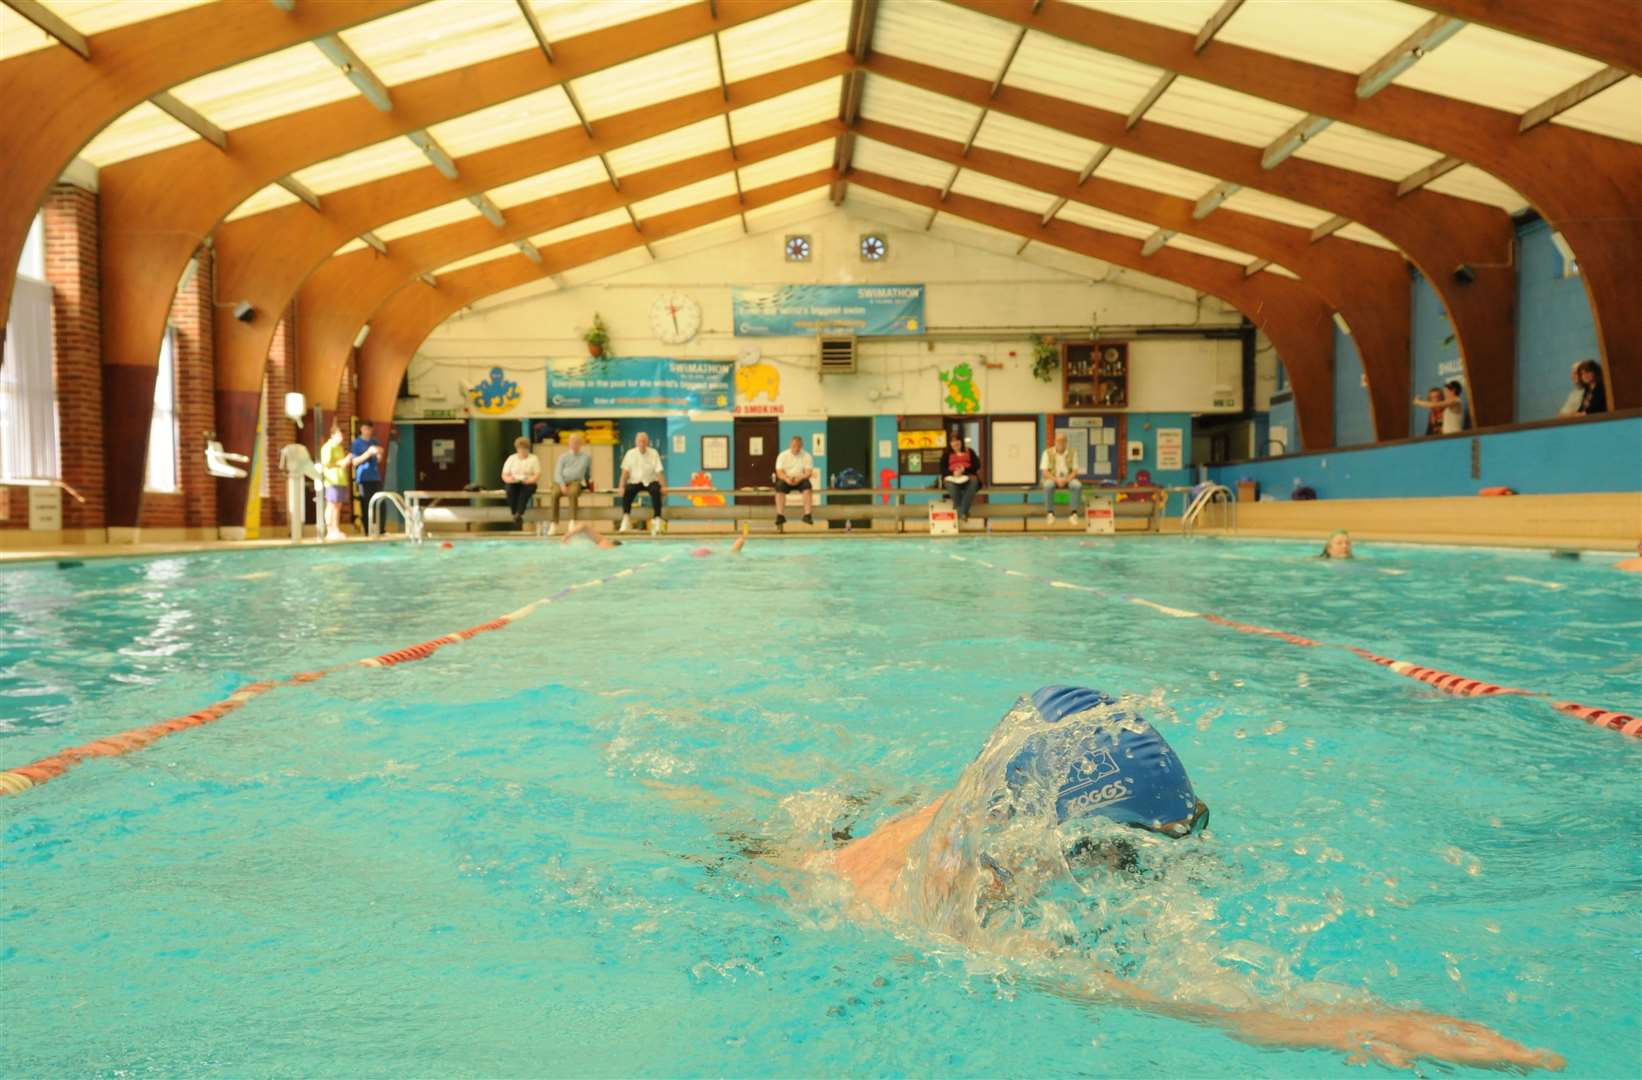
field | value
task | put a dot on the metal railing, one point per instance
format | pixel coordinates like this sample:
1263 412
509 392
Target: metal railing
1210 495
373 520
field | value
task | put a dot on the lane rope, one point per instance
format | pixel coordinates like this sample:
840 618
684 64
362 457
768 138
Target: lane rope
18 780
1445 681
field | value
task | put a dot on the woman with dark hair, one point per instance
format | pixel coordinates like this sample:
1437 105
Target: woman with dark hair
1449 413
1594 396
961 472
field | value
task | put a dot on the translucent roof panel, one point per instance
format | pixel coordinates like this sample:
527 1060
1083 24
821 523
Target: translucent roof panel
447 214
979 186
723 231
268 198
885 208
1469 182
1204 247
353 245
797 163
793 36
897 164
714 187
1364 235
439 36
975 234
562 19
943 35
620 263
362 166
582 174
1616 112
481 257
1083 214
1137 171
935 114
1355 148
140 130
19 36
1022 138
806 105
1187 16
610 219
789 210
1499 70
1050 65
1347 35
1277 208
1280 271
702 137
521 118
283 82
1226 114
683 69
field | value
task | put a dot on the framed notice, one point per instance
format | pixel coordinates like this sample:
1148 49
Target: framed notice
1170 448
715 452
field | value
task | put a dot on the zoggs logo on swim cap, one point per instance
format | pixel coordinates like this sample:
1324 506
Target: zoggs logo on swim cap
1084 790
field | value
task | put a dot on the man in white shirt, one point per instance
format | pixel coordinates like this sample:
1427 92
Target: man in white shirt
641 471
519 475
1058 468
794 471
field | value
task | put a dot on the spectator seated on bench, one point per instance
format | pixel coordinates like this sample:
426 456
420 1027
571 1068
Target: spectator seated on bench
794 471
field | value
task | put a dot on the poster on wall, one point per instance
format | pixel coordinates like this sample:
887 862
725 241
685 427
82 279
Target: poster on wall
1170 448
638 382
795 310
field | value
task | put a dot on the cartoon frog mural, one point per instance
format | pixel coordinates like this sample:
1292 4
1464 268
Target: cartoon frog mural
961 395
496 395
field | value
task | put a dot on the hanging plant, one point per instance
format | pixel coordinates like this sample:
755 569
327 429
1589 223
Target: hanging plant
1045 358
597 336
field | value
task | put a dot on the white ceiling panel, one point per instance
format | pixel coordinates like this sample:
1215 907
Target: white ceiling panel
649 80
448 214
1022 138
1502 71
702 137
792 36
979 186
1347 35
610 219
714 187
1126 168
1204 247
1280 271
801 207
274 85
1360 150
796 108
903 104
534 114
631 259
1050 65
267 199
724 231
897 164
1187 16
19 36
1616 112
1277 208
140 130
585 173
1364 235
500 252
439 36
362 166
943 35
1090 217
353 245
1226 114
1469 182
562 19
795 163
975 234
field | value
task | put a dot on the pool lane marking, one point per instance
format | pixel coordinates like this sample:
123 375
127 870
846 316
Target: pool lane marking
18 780
1445 681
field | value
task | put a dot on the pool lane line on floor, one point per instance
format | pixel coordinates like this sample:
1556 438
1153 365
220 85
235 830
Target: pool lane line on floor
1446 681
18 780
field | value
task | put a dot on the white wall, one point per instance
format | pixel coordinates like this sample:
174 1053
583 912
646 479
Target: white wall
982 303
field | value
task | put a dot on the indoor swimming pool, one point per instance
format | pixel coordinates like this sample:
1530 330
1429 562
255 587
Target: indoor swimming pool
584 843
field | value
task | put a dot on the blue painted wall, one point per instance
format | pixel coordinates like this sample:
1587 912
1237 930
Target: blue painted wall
1555 327
681 467
1353 424
1436 350
1586 456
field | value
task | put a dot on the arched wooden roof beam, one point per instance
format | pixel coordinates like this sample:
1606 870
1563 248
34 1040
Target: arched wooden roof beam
1600 29
1368 285
1437 232
1588 186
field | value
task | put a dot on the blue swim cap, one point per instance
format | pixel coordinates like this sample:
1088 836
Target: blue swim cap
1119 768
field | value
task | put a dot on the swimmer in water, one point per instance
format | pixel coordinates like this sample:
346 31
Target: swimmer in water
1338 545
1062 780
585 528
735 548
1633 565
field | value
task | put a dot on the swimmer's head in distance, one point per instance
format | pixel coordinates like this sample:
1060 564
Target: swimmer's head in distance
1118 767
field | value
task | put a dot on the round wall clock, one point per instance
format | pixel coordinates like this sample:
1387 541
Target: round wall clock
675 318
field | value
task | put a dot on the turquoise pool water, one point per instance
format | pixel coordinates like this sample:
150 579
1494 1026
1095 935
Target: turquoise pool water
568 847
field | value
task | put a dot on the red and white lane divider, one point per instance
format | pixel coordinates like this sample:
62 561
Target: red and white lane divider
18 780
1446 681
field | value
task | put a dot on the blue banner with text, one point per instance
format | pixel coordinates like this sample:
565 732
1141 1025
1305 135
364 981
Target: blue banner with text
793 310
639 382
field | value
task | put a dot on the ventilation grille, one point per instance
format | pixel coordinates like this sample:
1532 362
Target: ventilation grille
837 355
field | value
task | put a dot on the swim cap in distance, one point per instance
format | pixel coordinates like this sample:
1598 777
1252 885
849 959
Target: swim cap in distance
1121 768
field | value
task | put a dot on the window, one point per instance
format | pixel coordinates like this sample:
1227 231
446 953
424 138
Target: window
162 428
28 390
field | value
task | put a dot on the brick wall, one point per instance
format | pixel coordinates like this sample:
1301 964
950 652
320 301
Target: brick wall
70 215
194 505
281 376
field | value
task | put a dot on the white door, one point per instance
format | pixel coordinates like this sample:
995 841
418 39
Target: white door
1014 446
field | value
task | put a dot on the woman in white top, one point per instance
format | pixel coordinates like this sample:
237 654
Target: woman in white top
1452 406
519 474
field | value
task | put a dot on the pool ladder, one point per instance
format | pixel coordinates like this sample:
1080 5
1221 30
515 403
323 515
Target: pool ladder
411 517
1211 495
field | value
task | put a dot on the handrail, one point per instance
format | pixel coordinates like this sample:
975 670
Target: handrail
42 481
1206 497
373 521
